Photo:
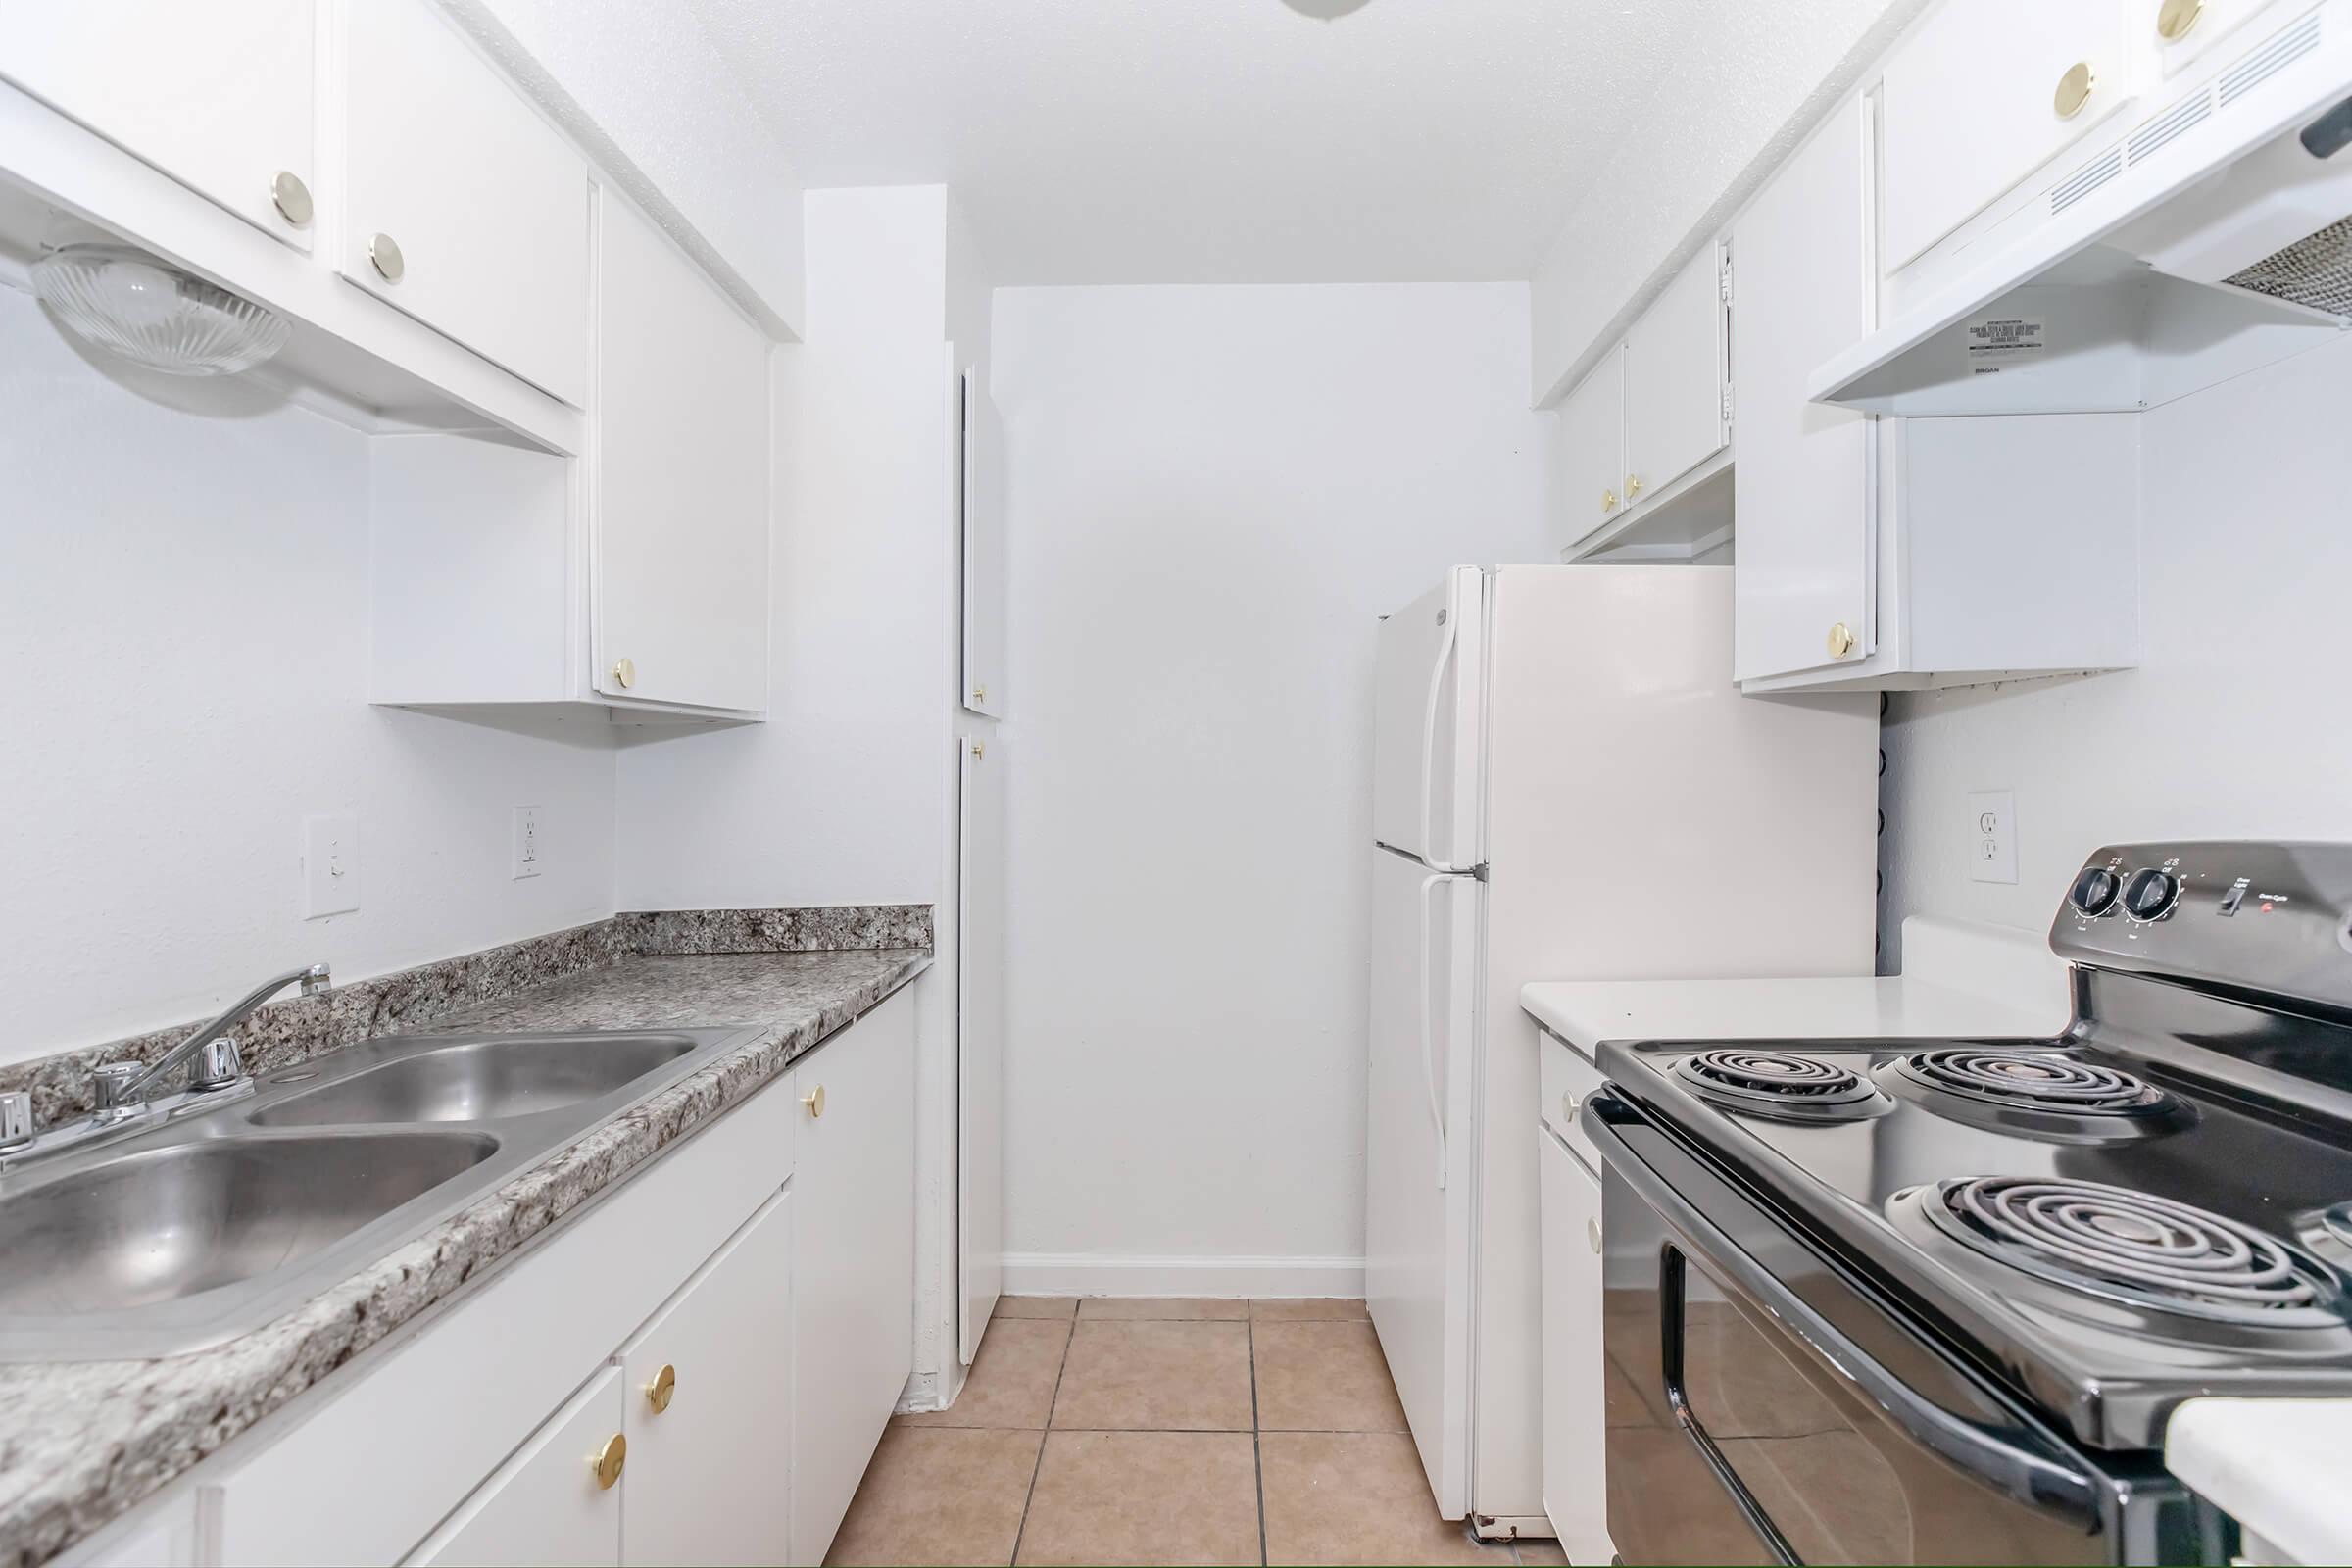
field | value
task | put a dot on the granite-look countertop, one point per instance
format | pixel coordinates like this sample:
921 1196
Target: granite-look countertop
84 1441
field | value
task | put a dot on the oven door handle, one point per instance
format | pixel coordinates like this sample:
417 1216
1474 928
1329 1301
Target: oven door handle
2031 1477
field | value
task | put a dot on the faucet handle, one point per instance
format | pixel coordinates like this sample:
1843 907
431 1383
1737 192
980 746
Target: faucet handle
217 1066
106 1085
317 978
16 1122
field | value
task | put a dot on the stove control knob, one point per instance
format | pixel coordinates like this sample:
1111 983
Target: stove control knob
2152 895
2095 892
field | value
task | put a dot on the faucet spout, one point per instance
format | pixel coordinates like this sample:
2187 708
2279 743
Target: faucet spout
313 979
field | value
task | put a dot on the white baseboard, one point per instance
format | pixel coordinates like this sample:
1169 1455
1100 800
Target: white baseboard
1094 1274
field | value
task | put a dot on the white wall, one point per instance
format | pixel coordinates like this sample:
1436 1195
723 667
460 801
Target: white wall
838 797
183 625
2234 725
1754 81
1213 492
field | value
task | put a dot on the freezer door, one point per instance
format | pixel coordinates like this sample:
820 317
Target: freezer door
1417 1180
1430 677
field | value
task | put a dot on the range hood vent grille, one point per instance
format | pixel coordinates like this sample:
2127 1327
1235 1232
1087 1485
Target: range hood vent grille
2315 270
2165 127
2089 177
2270 59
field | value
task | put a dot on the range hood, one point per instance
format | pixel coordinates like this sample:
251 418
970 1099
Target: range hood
2203 238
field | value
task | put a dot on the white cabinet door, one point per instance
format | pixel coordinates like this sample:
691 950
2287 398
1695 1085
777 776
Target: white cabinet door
218 95
486 205
1592 449
1802 487
853 1270
545 1504
1674 380
707 1383
678 497
980 1037
2195 26
1978 97
981 497
1575 1419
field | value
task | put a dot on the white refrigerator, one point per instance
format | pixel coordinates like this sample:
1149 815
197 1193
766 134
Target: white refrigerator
1566 786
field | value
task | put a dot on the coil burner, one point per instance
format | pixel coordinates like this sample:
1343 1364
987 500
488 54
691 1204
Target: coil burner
1780 1085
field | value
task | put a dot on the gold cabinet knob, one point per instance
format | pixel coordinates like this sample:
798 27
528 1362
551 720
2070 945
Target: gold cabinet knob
1609 501
607 1461
979 694
815 1100
2176 16
658 1392
979 751
385 252
2074 89
1592 1235
1633 487
1841 640
291 197
625 672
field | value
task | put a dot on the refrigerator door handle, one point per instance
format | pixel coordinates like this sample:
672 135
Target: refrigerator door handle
1429 1063
1429 741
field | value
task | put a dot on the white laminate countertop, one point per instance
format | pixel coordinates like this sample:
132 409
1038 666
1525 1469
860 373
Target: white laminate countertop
2277 1467
1960 981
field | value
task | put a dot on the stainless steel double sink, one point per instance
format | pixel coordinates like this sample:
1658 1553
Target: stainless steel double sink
218 1221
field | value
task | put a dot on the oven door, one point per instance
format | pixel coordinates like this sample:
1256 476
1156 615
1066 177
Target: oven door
1767 1408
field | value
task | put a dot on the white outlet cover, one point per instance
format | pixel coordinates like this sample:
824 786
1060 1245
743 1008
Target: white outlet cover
1992 836
330 864
530 840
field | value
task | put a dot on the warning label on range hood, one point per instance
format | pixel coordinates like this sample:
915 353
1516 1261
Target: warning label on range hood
1995 343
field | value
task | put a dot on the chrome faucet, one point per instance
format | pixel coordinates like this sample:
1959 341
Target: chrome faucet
122 1090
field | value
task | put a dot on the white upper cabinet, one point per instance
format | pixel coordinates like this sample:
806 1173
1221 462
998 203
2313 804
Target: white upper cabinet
1984 92
1592 449
679 489
980 509
217 95
460 205
1802 484
1674 379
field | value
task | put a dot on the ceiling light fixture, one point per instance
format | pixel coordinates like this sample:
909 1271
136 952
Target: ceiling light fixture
152 313
1325 10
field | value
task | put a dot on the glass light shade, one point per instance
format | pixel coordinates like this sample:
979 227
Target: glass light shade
131 303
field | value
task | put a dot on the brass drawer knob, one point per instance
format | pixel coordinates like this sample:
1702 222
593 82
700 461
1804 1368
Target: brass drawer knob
624 673
1609 501
1841 640
815 1100
979 694
291 197
2177 17
664 1386
2074 89
979 751
607 1461
1633 487
385 252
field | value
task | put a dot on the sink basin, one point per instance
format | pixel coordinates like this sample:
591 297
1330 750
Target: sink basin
193 1229
487 1079
166 1223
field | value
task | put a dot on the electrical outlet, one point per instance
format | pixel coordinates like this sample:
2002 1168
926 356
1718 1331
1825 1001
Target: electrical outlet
1992 836
330 865
531 844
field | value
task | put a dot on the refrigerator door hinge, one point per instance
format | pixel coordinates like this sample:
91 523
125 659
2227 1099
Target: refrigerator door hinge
1724 274
1726 405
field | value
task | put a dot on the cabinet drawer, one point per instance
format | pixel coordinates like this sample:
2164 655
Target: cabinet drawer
1978 97
1566 1078
556 1501
461 206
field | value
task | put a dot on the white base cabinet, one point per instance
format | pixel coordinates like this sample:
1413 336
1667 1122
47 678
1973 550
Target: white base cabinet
1575 1420
767 1265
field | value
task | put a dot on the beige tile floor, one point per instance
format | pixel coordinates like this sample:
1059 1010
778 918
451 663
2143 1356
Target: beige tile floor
1105 1431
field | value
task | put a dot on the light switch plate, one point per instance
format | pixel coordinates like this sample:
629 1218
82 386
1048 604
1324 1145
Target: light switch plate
1992 836
530 846
330 865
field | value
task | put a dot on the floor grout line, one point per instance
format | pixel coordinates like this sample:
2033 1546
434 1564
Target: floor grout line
1257 1451
1044 1432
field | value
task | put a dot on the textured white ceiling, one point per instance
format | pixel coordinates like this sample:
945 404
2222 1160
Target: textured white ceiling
1107 141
